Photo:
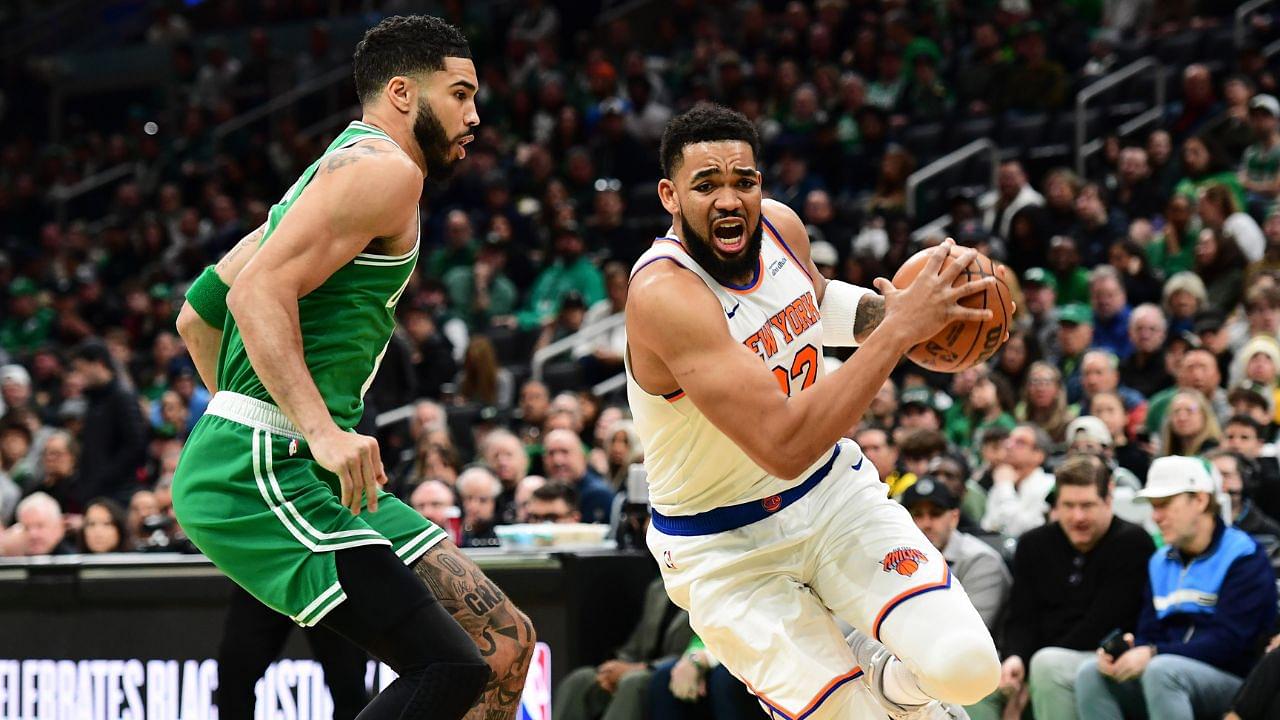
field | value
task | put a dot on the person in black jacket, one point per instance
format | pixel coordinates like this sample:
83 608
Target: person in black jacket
113 443
1074 581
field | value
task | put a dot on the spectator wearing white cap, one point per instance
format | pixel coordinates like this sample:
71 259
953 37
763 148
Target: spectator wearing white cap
825 257
1089 435
1260 167
1210 598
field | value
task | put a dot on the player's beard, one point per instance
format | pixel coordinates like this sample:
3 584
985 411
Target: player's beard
435 143
735 270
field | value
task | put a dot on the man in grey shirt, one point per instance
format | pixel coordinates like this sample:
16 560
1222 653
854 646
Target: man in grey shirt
976 564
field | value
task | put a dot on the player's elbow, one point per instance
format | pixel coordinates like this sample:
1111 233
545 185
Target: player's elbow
785 463
186 322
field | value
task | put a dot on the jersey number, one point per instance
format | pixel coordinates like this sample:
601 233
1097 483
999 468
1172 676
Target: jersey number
805 365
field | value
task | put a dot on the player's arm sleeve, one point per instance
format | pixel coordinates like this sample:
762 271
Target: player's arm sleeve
849 313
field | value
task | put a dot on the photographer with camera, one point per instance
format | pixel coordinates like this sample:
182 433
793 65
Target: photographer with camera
1209 602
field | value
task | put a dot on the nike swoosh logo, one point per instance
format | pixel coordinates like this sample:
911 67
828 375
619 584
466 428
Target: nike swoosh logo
730 313
859 465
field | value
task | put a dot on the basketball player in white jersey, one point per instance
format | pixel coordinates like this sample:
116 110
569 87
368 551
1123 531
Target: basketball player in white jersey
766 523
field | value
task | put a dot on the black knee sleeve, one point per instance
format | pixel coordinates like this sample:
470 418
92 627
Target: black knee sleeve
392 615
445 690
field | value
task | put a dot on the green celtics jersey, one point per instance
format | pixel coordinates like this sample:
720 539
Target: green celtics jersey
346 322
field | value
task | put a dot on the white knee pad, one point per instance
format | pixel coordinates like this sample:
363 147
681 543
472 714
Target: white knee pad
961 667
942 639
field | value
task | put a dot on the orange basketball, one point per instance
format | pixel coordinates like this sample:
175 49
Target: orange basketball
907 568
963 344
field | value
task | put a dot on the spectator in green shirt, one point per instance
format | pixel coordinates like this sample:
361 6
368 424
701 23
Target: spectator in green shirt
28 325
1072 281
482 291
986 405
459 249
1203 166
1260 169
571 271
1173 251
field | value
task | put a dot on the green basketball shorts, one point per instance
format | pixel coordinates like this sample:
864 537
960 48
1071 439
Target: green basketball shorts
250 495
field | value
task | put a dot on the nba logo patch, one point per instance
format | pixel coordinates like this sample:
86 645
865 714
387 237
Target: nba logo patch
668 560
535 702
904 561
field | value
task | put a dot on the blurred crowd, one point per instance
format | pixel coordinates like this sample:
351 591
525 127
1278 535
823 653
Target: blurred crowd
1148 287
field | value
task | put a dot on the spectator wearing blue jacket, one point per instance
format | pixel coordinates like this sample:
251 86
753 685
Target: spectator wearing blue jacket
1210 600
1110 311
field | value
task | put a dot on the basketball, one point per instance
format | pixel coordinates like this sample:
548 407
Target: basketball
907 568
963 344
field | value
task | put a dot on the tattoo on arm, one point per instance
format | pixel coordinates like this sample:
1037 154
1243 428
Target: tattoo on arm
351 155
869 316
248 241
503 634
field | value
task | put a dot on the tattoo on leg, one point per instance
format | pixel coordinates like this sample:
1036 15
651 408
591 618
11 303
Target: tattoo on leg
503 634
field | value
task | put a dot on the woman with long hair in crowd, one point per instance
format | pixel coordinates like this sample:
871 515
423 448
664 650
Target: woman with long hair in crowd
1109 408
622 448
105 528
1203 164
987 404
1220 264
1044 401
1140 283
482 380
1015 358
1219 211
1190 427
890 196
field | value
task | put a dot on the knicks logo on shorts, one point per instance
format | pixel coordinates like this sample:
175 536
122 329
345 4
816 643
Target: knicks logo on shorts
772 503
904 560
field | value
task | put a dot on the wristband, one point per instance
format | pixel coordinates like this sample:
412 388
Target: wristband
839 307
208 297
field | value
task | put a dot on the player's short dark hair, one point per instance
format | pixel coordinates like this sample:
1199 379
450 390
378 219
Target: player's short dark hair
705 122
402 45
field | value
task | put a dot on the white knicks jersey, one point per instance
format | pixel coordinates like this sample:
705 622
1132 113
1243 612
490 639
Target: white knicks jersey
693 466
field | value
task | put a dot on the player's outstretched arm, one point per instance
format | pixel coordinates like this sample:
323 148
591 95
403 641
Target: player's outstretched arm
202 333
359 194
675 327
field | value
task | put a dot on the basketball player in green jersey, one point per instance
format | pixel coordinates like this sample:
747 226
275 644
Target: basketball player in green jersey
274 485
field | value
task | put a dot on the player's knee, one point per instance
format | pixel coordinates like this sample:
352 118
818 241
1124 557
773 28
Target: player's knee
511 657
960 668
447 689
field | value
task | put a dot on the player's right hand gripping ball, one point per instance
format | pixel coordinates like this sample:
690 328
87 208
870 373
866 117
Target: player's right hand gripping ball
964 343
